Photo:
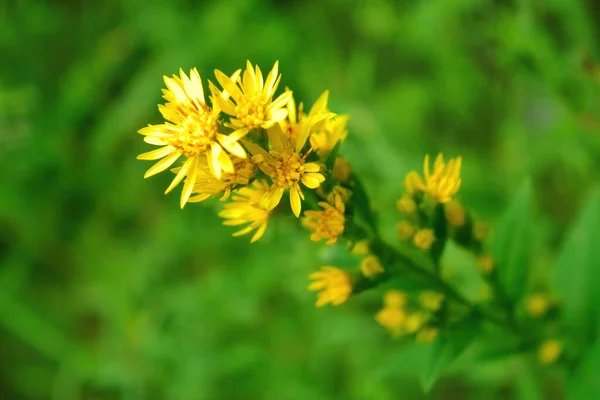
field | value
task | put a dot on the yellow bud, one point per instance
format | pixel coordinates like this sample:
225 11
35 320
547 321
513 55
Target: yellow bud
537 305
392 318
549 351
370 266
431 301
405 230
341 170
413 322
394 298
427 335
360 248
424 238
455 214
406 205
480 231
485 263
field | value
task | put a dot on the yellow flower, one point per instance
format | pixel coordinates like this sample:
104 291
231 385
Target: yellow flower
455 214
284 165
391 318
405 230
394 298
537 305
485 263
427 335
431 301
245 209
441 184
191 130
333 284
406 205
360 248
370 266
424 238
208 186
549 352
327 224
341 170
297 122
414 322
249 100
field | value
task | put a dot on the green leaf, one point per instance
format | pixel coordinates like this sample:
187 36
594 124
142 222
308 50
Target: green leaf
513 243
584 383
578 270
449 345
362 204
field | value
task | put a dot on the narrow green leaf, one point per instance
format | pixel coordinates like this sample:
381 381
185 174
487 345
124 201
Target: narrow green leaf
362 204
584 382
448 346
513 243
577 270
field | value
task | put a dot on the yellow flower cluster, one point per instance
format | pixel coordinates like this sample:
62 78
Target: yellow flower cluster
243 143
401 318
333 284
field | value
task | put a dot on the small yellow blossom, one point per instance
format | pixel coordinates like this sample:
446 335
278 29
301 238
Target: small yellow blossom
394 298
431 301
406 205
341 170
284 165
327 224
249 100
405 230
441 184
485 263
360 248
414 322
297 123
370 266
549 352
342 192
455 214
208 186
391 318
424 238
537 305
333 284
245 209
192 131
427 335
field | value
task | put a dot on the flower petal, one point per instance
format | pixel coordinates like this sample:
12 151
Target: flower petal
180 174
162 164
295 202
156 154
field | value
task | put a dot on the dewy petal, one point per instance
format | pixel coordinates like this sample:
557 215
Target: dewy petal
156 154
295 202
180 174
162 164
188 186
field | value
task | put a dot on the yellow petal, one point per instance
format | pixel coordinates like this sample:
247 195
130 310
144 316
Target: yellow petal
295 202
189 183
311 167
156 154
232 146
213 160
259 233
229 85
162 164
312 180
320 105
176 90
195 89
270 87
180 174
225 161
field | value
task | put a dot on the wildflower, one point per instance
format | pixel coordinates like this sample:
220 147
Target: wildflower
329 134
406 205
245 209
207 185
485 263
391 318
549 352
394 298
249 100
284 165
333 284
441 184
342 192
370 266
405 230
414 322
431 301
424 238
341 170
360 248
427 335
297 122
455 214
327 224
191 130
537 305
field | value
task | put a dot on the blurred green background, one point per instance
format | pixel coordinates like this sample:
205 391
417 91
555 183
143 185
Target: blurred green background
109 291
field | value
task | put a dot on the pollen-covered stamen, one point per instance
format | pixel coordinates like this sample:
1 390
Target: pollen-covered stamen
251 111
196 133
289 168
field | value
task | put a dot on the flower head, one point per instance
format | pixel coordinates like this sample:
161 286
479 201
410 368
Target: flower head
370 266
549 351
249 99
245 209
327 224
286 168
192 131
424 238
207 185
455 214
405 230
537 305
440 184
393 315
333 284
406 205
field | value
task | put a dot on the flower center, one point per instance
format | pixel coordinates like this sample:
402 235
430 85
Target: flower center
330 223
251 111
289 168
196 133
